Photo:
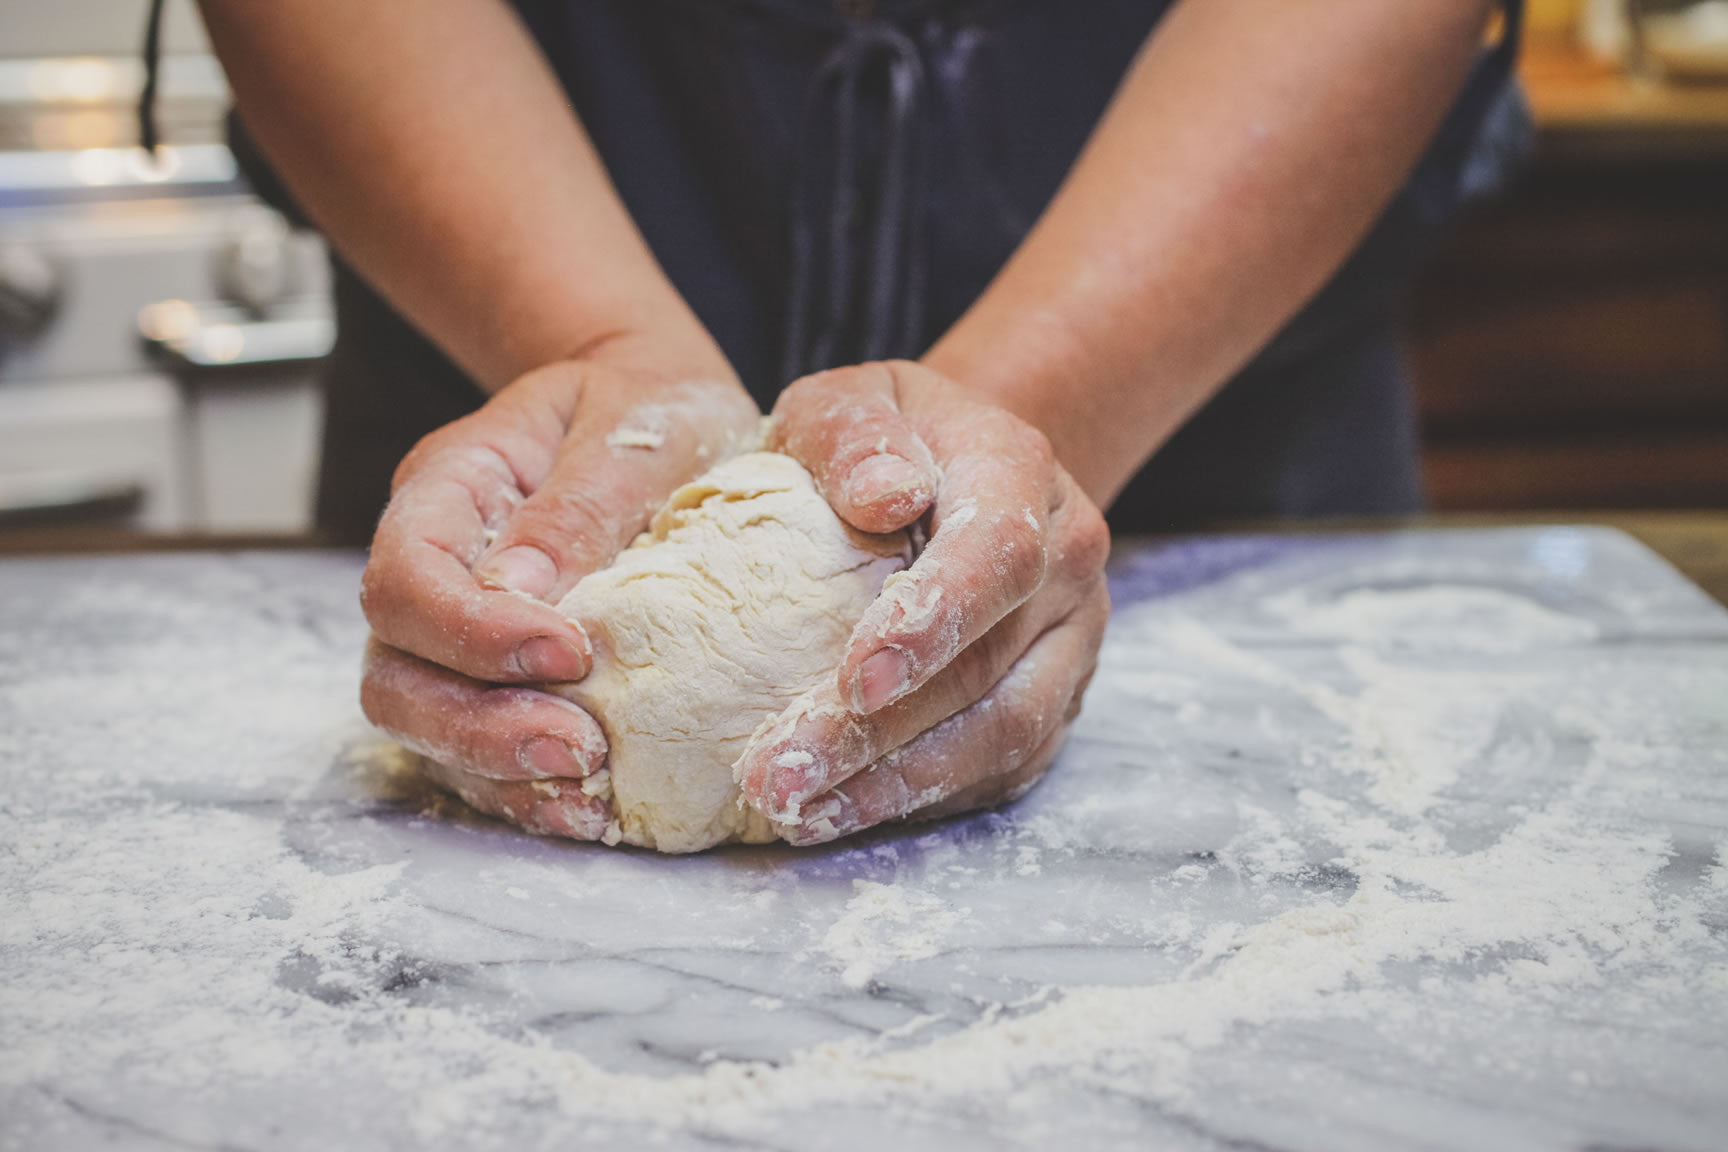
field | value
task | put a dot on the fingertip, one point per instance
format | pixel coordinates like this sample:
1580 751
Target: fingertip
884 677
520 568
869 461
570 813
553 658
548 757
825 821
776 779
887 491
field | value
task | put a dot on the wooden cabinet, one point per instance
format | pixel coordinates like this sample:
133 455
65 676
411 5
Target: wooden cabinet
1570 343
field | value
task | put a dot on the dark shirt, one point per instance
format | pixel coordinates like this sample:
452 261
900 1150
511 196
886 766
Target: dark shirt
826 188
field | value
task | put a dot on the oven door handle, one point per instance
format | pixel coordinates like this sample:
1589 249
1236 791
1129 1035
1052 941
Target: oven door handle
221 346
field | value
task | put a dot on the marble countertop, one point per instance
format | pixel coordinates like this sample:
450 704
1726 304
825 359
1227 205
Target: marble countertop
1408 840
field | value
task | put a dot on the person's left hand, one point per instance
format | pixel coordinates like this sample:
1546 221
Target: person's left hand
492 519
963 676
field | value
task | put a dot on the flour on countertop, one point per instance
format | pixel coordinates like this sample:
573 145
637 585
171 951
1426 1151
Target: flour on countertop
886 924
1433 617
212 920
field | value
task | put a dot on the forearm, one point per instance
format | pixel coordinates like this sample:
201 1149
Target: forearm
1248 150
432 144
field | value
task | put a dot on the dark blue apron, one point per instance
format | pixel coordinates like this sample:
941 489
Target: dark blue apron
828 184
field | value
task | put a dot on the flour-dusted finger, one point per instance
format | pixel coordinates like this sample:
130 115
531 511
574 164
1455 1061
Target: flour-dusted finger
633 442
544 807
994 739
987 553
846 427
821 741
420 595
493 731
1004 789
451 493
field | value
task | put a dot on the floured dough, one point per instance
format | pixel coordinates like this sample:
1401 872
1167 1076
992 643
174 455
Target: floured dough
738 599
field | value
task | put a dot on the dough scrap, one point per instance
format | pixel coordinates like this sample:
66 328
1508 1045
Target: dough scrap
738 599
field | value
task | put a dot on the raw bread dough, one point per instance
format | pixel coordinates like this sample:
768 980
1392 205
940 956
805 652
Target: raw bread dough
739 598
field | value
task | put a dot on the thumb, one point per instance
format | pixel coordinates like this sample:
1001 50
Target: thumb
846 427
632 441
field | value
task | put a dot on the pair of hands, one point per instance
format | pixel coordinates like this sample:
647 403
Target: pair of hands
959 683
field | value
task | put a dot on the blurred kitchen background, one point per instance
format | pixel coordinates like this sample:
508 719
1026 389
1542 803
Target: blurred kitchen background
160 329
1571 341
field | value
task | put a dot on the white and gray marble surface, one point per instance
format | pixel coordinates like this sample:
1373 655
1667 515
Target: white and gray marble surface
1402 841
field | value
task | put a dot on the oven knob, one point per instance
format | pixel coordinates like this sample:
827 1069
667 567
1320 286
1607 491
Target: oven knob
256 269
29 290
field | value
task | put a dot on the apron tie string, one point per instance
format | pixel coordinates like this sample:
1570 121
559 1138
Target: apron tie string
844 187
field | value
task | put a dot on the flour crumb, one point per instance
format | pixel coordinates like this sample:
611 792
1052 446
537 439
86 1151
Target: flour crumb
884 925
645 438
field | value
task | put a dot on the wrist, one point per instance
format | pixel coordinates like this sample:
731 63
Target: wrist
1035 373
652 333
667 354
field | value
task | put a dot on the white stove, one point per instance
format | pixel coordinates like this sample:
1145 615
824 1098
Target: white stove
159 326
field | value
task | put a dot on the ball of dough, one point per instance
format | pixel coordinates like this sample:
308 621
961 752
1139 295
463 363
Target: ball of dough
738 599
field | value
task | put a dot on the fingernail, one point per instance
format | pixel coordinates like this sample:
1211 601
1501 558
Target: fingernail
548 658
828 820
881 477
789 779
882 679
572 817
523 569
543 756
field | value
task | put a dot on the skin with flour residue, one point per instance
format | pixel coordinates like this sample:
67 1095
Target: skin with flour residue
989 639
961 679
462 631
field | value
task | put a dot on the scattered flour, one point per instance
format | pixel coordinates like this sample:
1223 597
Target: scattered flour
885 924
1432 617
193 926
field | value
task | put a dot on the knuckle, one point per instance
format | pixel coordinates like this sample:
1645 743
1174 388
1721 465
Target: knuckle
428 448
1022 783
1024 558
983 665
1100 614
377 593
571 517
466 451
899 376
896 794
807 393
482 469
466 739
1034 699
976 672
556 376
563 523
1077 701
1022 729
375 698
1085 546
1029 444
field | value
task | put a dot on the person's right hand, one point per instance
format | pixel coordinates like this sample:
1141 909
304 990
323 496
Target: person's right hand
491 520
